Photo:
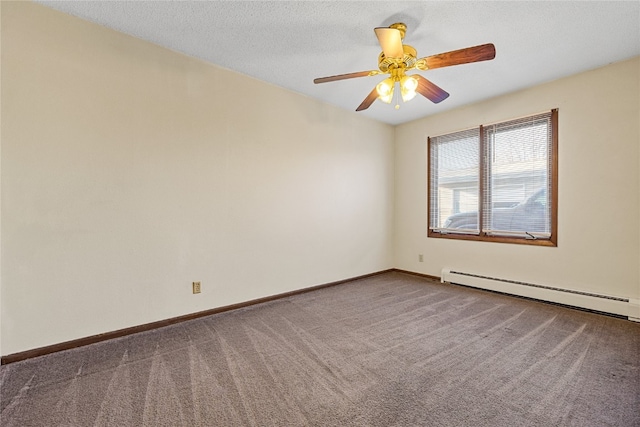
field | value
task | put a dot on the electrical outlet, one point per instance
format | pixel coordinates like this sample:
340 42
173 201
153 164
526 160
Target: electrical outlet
421 258
196 287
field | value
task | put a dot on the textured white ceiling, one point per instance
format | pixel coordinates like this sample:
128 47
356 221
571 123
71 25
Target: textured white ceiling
291 43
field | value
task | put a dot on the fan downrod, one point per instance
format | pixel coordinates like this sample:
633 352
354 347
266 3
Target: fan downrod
400 26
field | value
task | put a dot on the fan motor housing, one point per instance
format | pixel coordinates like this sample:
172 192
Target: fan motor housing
407 61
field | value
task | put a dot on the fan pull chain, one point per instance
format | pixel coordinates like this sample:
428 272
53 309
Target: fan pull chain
395 94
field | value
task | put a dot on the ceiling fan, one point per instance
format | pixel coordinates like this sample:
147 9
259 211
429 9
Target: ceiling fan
397 58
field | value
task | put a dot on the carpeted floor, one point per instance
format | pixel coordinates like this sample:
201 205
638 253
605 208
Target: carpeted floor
389 350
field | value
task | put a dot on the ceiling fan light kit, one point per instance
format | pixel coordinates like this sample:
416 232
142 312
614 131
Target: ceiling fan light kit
397 58
408 86
385 90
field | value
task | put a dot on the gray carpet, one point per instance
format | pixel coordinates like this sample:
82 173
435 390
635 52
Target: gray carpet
389 350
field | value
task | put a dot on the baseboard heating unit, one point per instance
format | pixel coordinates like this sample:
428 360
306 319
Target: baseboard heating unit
626 307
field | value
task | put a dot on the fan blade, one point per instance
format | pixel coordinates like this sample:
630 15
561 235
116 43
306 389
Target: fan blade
345 76
368 100
483 52
429 90
390 42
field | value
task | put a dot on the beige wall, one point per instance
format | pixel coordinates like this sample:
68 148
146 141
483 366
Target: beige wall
599 216
129 171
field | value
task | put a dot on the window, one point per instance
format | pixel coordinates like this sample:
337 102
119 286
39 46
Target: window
496 182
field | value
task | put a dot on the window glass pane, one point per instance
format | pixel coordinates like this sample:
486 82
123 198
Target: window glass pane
454 180
516 192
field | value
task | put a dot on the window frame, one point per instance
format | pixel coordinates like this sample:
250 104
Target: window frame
552 240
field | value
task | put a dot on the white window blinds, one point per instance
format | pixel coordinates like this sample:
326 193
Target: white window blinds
496 182
517 188
454 182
